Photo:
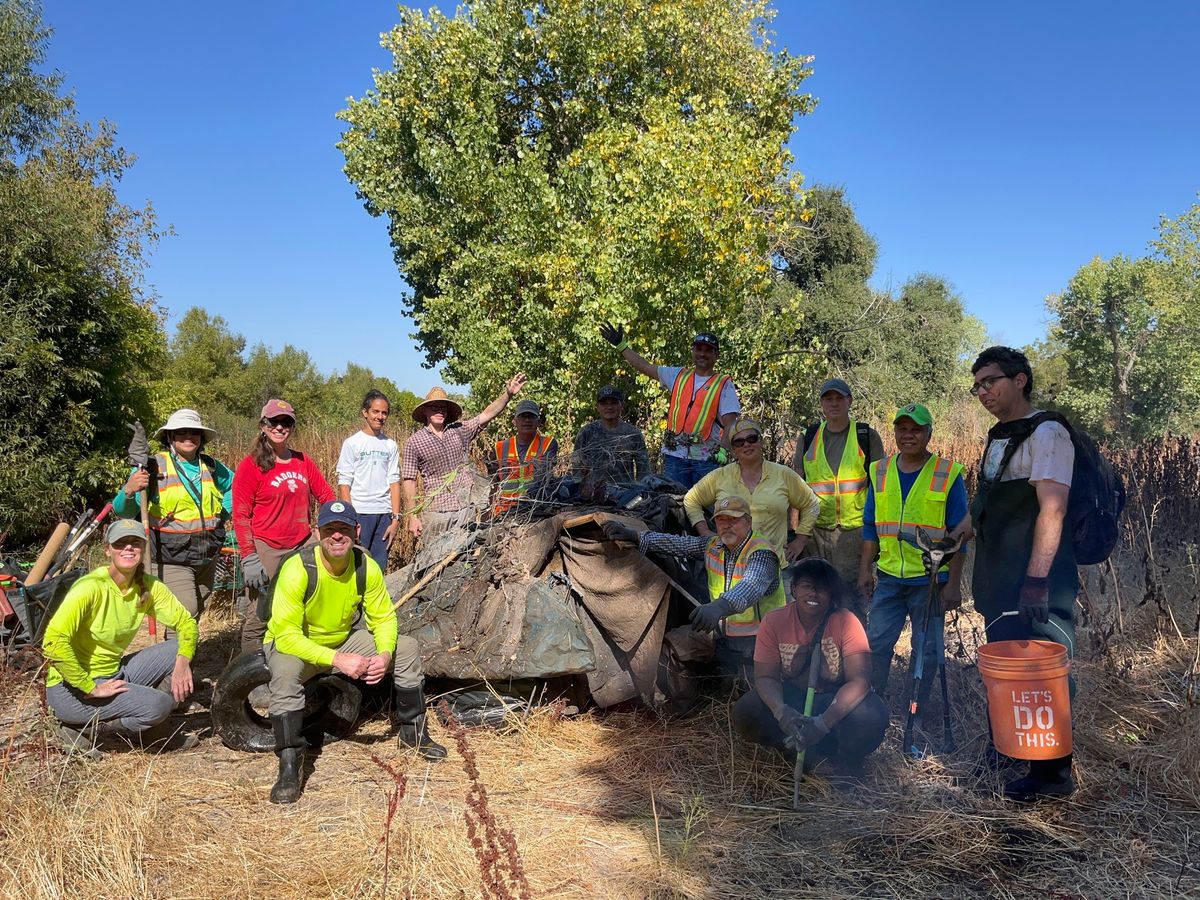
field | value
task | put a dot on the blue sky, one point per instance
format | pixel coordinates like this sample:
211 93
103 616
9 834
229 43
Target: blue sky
999 145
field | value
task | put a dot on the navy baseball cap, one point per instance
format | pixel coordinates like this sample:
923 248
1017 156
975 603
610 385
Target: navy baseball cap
608 392
707 337
336 511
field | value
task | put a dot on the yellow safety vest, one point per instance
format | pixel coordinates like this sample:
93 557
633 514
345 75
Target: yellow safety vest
515 472
182 531
842 495
745 623
897 517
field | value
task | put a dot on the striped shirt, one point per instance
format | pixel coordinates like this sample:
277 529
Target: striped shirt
443 462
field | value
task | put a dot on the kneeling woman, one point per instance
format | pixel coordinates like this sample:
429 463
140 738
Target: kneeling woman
91 680
848 720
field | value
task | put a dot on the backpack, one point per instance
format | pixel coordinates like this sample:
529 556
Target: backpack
1097 491
862 432
308 558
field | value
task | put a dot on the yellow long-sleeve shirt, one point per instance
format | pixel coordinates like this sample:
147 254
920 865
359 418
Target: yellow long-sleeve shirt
313 631
779 490
93 628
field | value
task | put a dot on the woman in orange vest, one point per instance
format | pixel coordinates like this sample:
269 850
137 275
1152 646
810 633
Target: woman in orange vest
520 460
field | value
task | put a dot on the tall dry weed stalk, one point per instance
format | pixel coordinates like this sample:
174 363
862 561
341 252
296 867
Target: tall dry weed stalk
501 870
396 793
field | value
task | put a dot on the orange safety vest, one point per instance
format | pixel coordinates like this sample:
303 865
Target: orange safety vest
515 472
694 413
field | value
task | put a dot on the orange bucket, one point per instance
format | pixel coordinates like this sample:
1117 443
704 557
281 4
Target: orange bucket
1029 701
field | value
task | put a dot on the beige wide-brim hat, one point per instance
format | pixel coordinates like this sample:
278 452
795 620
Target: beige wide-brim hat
437 395
184 418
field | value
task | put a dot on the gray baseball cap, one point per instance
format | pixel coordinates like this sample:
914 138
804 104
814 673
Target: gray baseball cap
527 406
835 384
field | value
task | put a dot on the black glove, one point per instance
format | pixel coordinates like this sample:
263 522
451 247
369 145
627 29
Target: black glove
1034 602
808 731
615 531
139 447
253 574
708 617
789 720
614 334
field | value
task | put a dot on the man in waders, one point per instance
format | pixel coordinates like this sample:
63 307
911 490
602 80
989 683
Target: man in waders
833 456
1024 563
703 403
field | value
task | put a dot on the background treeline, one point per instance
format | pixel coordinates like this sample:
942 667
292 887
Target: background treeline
539 173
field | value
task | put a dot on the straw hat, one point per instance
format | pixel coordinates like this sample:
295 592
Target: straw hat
437 395
184 419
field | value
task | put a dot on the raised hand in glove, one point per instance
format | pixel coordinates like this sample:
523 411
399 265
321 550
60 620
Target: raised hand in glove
139 447
614 334
708 617
253 574
1034 601
807 731
615 531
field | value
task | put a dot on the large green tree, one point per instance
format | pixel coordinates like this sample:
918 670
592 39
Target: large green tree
79 329
546 166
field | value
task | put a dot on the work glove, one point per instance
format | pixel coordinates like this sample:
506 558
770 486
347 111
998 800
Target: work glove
615 531
139 447
1034 601
614 334
708 617
721 456
253 574
808 731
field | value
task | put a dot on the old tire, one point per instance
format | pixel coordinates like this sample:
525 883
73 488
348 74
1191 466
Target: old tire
331 706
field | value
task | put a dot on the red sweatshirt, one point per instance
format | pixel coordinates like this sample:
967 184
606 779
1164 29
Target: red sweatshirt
273 506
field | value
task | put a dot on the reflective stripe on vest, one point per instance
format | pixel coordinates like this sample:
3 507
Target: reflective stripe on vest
694 413
515 472
844 495
897 517
745 623
174 511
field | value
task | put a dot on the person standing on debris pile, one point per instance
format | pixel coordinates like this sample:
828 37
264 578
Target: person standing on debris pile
744 581
913 488
273 491
1025 578
703 403
368 475
834 457
439 454
848 720
522 461
773 491
188 506
609 451
92 686
312 629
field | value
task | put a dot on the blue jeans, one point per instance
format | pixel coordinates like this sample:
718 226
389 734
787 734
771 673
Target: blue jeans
687 471
893 602
370 535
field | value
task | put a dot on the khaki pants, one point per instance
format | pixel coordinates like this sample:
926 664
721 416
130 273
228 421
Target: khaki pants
289 673
842 549
191 585
253 628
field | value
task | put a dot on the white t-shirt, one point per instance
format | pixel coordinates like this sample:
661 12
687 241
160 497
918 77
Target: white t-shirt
727 403
1046 455
369 465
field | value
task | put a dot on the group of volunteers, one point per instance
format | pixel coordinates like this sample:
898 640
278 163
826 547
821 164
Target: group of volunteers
796 558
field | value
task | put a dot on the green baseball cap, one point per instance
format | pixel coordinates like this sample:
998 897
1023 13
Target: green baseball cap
915 411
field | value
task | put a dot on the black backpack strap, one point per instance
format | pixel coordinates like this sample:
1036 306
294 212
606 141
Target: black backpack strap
360 573
862 431
308 556
1016 433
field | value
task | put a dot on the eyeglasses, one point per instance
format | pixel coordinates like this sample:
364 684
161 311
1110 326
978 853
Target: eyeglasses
280 423
985 384
742 442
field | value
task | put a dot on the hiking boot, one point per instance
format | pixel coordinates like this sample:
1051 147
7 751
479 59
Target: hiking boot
163 738
1046 779
79 742
289 745
408 712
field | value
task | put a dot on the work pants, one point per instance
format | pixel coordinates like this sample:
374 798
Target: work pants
893 602
842 549
853 738
289 673
253 628
137 708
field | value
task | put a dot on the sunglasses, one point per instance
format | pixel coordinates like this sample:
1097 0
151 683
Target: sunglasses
186 432
742 442
281 422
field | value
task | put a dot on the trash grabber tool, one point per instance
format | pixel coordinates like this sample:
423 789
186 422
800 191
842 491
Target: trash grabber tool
79 542
814 668
935 554
66 546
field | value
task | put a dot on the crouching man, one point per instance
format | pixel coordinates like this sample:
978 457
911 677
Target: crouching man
848 720
336 625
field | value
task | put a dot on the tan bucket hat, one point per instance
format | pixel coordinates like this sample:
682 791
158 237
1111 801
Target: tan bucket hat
184 419
437 395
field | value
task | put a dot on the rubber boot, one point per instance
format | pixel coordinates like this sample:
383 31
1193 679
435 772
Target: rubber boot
408 712
289 745
1046 778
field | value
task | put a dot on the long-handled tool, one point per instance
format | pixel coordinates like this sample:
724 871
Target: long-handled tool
49 552
84 518
79 542
934 554
814 671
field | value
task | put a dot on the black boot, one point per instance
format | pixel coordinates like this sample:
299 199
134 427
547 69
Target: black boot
289 745
1046 778
408 712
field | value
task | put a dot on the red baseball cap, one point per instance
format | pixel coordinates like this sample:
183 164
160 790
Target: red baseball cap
278 408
